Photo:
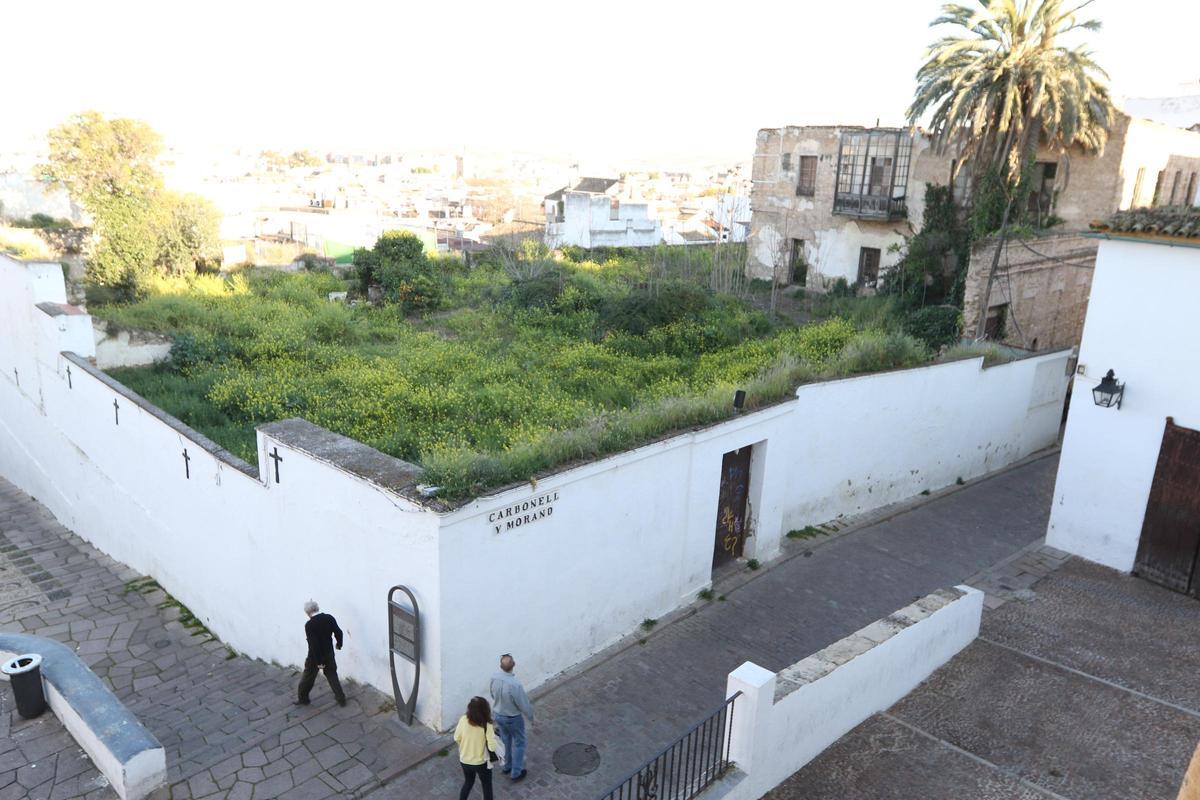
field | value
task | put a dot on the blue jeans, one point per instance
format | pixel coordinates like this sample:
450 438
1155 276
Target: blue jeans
512 733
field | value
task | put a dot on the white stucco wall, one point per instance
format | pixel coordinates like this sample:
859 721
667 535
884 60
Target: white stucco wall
630 536
1143 295
783 721
243 554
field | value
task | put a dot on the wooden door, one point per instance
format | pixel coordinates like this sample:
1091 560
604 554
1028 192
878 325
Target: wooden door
731 506
1170 543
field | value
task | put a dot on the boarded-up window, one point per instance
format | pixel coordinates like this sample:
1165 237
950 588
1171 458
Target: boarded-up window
785 162
868 266
806 186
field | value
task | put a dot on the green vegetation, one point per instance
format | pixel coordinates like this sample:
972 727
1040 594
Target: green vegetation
753 564
109 166
43 222
807 532
648 623
706 594
1002 86
515 367
187 619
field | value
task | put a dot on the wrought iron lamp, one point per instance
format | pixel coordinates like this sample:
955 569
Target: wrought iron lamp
1109 392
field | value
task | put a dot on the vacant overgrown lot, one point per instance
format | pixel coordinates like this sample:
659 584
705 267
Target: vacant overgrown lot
519 368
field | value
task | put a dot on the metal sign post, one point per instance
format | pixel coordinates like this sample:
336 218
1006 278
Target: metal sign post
404 640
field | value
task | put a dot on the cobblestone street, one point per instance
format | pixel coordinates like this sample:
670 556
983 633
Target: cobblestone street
231 732
641 699
227 722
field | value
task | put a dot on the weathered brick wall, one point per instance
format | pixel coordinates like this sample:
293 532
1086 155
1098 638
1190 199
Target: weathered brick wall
1045 283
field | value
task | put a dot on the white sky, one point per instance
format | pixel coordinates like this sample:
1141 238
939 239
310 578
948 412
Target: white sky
619 79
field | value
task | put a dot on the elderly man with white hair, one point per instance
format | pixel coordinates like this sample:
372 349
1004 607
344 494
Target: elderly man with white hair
320 630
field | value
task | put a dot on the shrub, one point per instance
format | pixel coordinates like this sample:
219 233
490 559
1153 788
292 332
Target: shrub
936 326
873 351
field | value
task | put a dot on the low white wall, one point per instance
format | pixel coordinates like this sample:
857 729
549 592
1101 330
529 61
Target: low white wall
243 554
117 347
783 721
632 536
1142 295
625 538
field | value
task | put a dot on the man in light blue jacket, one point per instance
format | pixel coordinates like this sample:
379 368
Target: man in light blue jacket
510 707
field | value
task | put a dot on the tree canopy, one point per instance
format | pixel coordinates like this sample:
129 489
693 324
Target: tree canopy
110 167
1004 82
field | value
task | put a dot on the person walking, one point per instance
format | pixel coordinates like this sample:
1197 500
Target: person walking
320 630
475 736
511 706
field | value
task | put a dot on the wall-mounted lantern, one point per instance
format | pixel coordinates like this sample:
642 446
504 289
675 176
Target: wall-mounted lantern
739 399
1109 392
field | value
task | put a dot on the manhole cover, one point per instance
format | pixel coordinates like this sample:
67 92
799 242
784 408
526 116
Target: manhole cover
576 758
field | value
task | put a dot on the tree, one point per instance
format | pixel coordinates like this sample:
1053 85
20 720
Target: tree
109 166
1004 85
97 159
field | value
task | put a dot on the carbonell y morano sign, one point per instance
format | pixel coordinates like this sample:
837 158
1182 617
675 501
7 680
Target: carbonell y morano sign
525 512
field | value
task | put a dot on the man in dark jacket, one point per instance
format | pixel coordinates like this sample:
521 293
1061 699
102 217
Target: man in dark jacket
318 630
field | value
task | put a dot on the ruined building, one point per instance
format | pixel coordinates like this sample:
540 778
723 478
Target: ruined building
832 202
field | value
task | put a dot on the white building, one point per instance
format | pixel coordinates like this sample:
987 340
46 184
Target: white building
1128 491
592 213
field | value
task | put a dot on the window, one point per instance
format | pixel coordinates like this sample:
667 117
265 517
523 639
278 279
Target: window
1175 186
785 162
806 186
868 266
1190 197
614 209
1158 187
872 173
1136 200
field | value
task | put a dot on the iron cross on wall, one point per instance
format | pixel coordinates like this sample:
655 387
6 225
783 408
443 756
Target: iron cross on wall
276 458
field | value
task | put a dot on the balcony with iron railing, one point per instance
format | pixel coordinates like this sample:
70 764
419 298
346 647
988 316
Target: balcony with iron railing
870 206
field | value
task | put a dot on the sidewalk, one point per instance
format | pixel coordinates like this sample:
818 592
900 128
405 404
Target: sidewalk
640 700
227 722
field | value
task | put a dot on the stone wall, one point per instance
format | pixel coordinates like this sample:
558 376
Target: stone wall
1043 285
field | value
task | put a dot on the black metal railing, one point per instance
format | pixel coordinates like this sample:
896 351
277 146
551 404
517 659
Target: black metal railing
869 205
685 768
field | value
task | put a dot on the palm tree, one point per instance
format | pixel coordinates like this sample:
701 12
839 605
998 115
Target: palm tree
1003 85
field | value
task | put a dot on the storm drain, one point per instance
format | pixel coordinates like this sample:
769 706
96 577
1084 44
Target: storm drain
576 758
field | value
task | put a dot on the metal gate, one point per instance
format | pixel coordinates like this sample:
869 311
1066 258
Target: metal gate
1170 544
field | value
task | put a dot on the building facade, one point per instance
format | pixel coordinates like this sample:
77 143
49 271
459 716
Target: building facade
837 202
832 202
1128 489
1040 294
593 213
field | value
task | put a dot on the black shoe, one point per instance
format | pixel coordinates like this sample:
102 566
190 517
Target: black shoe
520 776
341 701
300 702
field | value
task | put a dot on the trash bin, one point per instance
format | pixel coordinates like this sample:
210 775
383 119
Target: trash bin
25 674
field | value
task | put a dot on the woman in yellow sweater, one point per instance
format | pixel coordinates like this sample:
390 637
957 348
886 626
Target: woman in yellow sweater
476 739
